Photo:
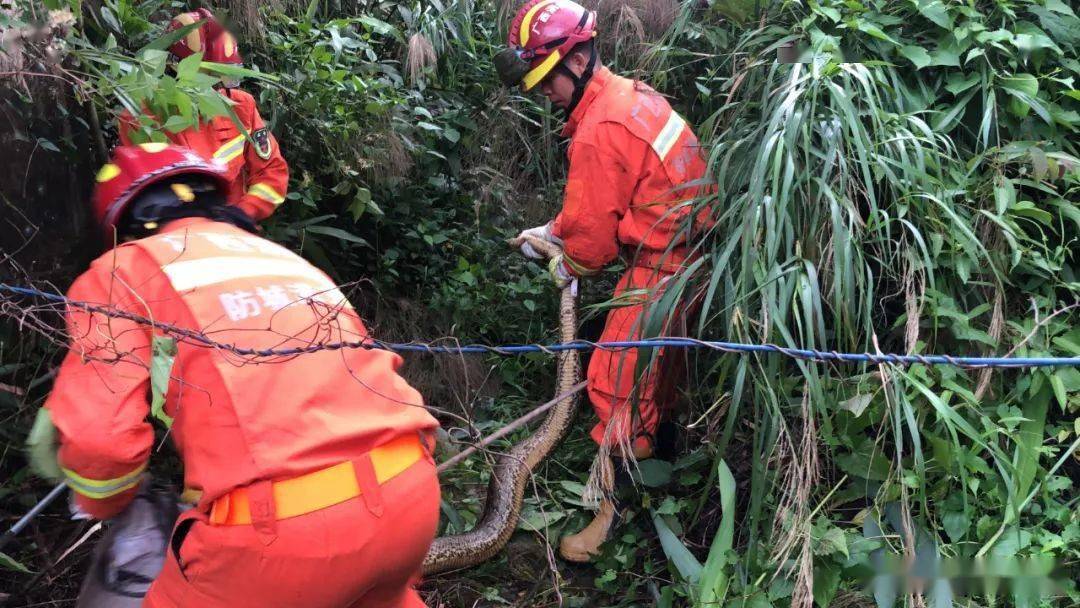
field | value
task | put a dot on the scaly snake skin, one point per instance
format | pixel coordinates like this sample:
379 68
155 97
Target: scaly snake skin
511 474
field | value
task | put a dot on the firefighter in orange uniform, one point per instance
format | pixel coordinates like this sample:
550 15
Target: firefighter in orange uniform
634 164
317 486
258 175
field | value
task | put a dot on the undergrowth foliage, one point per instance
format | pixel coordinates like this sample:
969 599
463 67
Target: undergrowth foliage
904 179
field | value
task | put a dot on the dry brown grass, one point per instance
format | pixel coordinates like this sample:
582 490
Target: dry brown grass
419 56
800 472
454 384
914 281
995 330
498 168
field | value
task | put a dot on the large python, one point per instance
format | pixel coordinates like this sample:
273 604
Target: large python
510 477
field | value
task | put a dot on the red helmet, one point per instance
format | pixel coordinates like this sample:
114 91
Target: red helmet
211 39
543 33
133 168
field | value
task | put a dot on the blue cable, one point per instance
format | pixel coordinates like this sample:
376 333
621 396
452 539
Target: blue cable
576 345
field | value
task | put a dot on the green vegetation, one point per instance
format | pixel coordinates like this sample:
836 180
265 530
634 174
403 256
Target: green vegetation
910 184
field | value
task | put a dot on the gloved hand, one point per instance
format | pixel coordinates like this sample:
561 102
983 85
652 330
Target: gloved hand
561 276
42 444
540 232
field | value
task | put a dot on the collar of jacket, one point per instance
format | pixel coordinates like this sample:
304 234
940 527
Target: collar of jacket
182 224
599 80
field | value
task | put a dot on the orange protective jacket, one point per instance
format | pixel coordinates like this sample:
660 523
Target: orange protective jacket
258 174
633 161
237 419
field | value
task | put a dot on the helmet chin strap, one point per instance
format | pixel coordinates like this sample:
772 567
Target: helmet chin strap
580 82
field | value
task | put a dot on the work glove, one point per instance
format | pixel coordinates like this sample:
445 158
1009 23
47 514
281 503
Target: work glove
540 232
42 445
561 276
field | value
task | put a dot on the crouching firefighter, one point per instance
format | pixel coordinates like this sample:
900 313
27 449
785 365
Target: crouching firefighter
257 174
312 468
634 168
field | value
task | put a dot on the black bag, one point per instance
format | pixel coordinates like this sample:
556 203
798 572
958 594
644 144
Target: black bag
131 554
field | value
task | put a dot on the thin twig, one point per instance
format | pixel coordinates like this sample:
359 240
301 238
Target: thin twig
1039 324
7 388
516 424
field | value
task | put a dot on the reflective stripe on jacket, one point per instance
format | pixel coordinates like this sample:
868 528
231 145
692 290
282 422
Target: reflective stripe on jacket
258 174
237 419
633 162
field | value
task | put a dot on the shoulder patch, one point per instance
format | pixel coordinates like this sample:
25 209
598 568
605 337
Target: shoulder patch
263 145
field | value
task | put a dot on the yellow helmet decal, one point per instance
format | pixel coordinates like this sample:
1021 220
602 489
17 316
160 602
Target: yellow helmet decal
153 147
107 172
183 192
194 37
526 23
538 73
230 45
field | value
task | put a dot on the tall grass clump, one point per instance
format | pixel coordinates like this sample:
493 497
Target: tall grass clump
907 185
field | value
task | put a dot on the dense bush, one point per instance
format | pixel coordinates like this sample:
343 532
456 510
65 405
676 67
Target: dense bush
904 180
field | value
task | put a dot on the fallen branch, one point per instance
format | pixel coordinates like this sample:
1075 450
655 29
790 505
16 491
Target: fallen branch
516 424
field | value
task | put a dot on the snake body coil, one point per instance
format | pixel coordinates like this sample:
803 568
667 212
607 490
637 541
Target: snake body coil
510 476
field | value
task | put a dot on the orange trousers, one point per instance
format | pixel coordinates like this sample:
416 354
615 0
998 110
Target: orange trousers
627 403
343 556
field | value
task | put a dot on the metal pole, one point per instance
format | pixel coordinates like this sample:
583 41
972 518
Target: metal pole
31 514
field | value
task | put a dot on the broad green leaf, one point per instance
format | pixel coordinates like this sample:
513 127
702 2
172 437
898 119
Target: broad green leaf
188 67
1058 6
1029 439
48 145
1004 195
872 29
361 201
165 40
177 123
917 55
1028 209
834 541
830 12
381 27
945 56
994 36
237 72
958 83
163 350
1061 27
1058 385
826 584
715 578
6 561
537 520
857 404
1028 38
1011 542
338 233
935 11
956 525
688 567
655 473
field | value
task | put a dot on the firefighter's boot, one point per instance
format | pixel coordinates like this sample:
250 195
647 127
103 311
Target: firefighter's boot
584 545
